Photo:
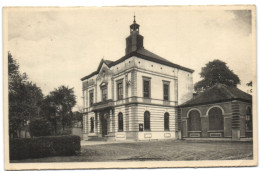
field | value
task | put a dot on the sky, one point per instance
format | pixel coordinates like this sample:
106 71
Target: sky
57 46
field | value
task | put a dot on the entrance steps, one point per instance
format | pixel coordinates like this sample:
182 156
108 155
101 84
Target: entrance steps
97 138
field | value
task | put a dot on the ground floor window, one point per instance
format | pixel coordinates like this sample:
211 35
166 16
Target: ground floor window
166 121
216 119
194 121
147 121
120 122
92 124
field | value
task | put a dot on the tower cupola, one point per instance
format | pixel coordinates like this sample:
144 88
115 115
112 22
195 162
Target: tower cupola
134 27
134 41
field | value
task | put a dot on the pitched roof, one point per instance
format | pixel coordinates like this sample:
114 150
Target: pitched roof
108 62
145 52
218 93
141 53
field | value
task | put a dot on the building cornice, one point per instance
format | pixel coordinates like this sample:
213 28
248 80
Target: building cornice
136 54
214 102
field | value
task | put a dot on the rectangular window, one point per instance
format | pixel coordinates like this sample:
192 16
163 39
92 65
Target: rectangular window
147 88
120 90
165 91
91 98
92 124
104 93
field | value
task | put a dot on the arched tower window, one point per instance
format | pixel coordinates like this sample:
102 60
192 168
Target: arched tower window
166 121
194 121
249 124
216 119
146 120
120 122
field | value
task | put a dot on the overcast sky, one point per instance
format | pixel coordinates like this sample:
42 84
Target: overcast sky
58 47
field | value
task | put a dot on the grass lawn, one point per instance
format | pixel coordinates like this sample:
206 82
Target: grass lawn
158 150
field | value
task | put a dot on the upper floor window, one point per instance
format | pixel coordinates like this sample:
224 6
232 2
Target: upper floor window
120 90
147 87
104 93
166 91
91 98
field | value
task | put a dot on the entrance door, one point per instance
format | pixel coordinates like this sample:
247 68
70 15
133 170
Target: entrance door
104 124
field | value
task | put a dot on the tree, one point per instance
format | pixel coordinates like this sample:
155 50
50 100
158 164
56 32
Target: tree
77 118
250 84
216 72
24 98
63 100
48 111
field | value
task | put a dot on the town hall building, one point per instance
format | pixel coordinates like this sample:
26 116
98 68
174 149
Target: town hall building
136 96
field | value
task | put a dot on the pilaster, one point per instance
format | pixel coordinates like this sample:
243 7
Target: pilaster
85 126
235 120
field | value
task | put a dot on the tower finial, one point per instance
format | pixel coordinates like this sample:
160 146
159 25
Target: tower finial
134 17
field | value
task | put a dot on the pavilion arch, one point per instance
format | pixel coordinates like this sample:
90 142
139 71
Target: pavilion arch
249 107
194 120
223 112
216 118
188 113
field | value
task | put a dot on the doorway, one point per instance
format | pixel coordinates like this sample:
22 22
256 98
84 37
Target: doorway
103 120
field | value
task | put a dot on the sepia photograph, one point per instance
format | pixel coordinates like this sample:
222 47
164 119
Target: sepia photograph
129 87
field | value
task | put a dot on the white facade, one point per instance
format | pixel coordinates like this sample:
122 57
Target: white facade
130 72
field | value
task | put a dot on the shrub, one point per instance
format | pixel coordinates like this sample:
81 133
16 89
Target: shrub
38 147
39 127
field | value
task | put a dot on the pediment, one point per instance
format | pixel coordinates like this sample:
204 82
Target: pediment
103 64
104 69
104 72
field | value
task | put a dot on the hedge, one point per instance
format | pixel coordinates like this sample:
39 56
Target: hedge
23 148
40 127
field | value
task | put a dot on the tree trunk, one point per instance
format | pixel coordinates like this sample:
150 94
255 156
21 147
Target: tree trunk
63 123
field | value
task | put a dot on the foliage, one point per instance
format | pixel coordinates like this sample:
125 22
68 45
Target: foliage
216 72
250 84
26 103
39 127
77 117
39 147
59 104
24 98
48 111
66 131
